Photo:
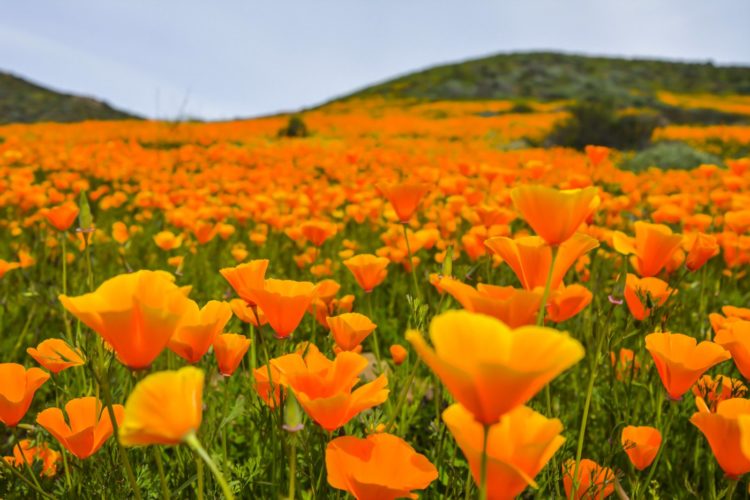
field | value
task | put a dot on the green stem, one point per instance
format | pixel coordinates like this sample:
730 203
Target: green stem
89 270
162 477
199 466
547 287
292 467
483 481
411 264
23 478
68 332
730 489
192 441
402 396
665 436
25 460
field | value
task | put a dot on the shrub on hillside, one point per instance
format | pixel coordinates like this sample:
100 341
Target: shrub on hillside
668 155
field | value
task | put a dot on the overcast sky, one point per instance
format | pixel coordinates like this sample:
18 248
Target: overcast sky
246 58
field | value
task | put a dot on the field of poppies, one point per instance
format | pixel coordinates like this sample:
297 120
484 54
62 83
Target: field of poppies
409 300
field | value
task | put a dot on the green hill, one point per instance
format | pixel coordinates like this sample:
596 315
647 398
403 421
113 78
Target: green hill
25 102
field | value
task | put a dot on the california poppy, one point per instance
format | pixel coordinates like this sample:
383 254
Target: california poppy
87 428
566 302
597 154
680 360
62 216
369 270
198 328
379 467
398 354
246 313
56 355
554 215
724 433
6 266
641 444
284 303
644 294
17 388
324 388
26 453
594 481
735 338
229 349
626 365
714 390
317 231
489 368
135 313
518 447
404 197
166 240
350 329
267 385
246 278
652 247
703 248
164 408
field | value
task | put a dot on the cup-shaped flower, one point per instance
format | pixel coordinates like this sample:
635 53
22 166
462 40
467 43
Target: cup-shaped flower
350 329
164 408
369 270
404 197
167 240
6 266
87 428
324 388
56 355
318 231
652 247
566 302
641 444
681 361
714 390
26 453
735 338
17 388
198 328
554 215
704 247
246 278
489 368
62 216
644 294
398 354
284 302
518 447
268 384
594 481
135 313
379 467
726 436
248 314
229 349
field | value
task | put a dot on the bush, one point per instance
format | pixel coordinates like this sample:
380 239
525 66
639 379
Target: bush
669 155
295 127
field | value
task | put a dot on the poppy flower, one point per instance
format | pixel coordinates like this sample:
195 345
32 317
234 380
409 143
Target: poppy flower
17 388
519 445
229 349
379 467
6 266
246 314
268 384
120 232
714 390
643 294
680 360
404 197
62 216
641 444
597 154
26 453
652 247
166 240
350 329
703 248
56 355
530 257
198 328
164 408
317 232
324 388
735 338
725 435
554 215
284 302
369 270
626 365
398 354
246 278
594 481
135 313
87 428
566 302
489 368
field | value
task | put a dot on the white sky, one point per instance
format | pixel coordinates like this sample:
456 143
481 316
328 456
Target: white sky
232 58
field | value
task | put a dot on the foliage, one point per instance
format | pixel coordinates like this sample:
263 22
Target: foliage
669 155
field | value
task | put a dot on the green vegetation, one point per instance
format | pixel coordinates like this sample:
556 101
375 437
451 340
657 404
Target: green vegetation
669 155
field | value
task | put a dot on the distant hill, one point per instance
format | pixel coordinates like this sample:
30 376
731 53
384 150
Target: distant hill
25 102
550 76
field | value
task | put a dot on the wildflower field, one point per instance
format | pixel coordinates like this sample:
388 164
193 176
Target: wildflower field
409 300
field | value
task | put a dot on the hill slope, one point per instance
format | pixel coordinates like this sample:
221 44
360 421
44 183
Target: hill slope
25 102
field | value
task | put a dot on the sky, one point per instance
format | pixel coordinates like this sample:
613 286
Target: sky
238 58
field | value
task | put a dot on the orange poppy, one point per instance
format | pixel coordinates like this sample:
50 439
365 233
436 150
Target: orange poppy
703 248
284 302
369 270
641 444
643 294
518 447
680 360
554 215
164 408
229 349
166 240
714 390
398 354
246 313
626 365
735 338
87 428
350 329
26 453
62 216
324 387
268 384
594 481
404 197
489 368
6 266
135 313
198 328
379 467
317 232
246 278
530 257
56 355
726 436
597 154
566 302
652 247
17 388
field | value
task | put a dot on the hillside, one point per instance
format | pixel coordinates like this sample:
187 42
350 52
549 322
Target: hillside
25 102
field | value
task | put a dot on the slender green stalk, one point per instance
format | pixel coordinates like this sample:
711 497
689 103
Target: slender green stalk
292 467
162 477
25 460
417 293
199 467
730 489
402 396
665 436
68 332
192 441
89 269
483 480
467 486
547 286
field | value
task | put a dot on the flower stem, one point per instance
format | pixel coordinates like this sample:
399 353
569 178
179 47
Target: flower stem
547 287
192 441
402 396
292 467
23 478
162 477
665 435
483 480
411 264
